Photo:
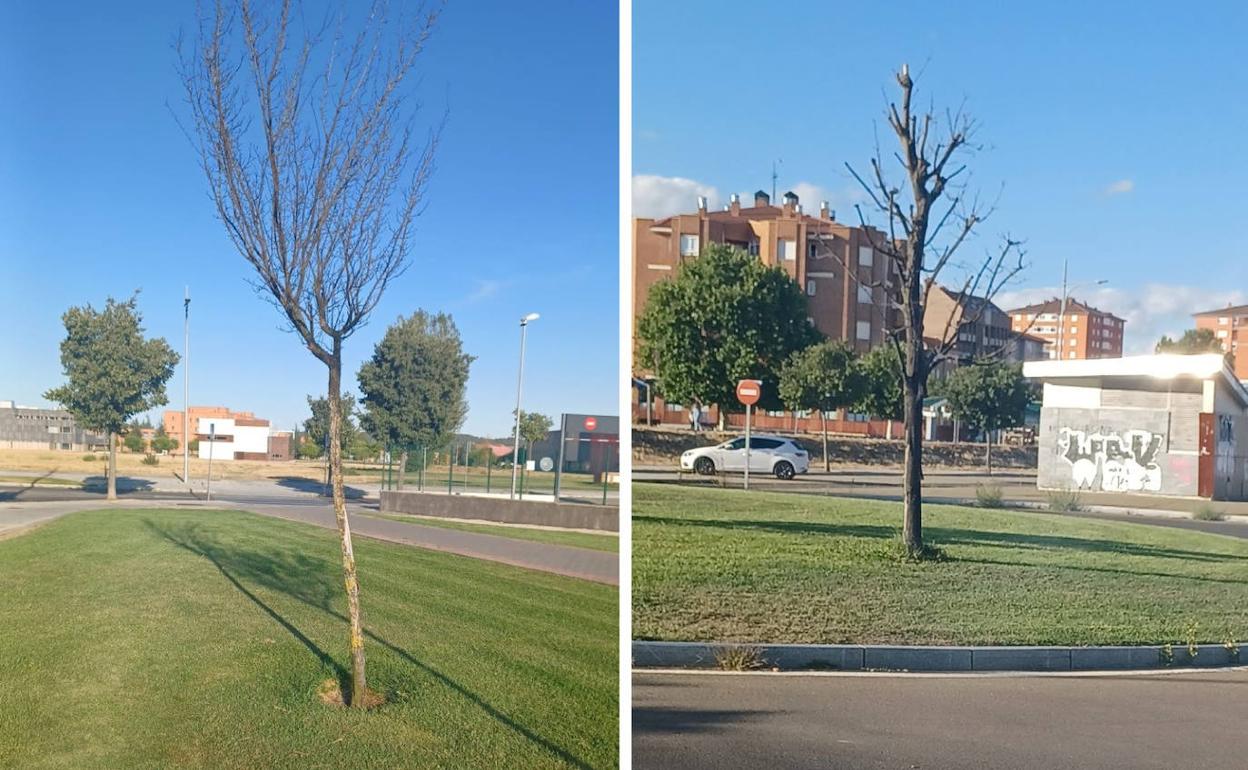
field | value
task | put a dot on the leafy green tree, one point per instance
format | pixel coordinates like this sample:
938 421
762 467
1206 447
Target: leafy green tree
316 427
134 441
882 396
163 442
309 451
988 396
113 372
413 389
725 317
1192 341
823 377
533 428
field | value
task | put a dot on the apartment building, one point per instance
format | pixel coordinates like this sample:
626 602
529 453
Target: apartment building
842 274
1082 332
982 330
31 427
1230 326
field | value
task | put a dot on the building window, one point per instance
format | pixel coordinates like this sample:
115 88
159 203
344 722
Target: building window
812 248
865 256
810 287
864 294
753 248
1224 320
787 249
864 330
688 245
1222 333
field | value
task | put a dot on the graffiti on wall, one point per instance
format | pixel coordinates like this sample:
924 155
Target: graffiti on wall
1225 453
1126 461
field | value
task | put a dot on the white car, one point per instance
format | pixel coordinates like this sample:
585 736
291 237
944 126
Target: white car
768 454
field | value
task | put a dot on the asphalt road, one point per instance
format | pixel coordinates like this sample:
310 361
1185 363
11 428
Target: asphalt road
954 486
24 506
1164 720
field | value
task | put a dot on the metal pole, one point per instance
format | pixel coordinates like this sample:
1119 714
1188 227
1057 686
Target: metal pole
424 459
563 437
450 467
515 452
606 472
186 388
488 466
747 446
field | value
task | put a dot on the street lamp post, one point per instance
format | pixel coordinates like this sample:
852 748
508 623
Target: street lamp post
186 388
1061 315
515 452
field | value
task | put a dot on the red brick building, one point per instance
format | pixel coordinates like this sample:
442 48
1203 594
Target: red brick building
1230 326
1082 332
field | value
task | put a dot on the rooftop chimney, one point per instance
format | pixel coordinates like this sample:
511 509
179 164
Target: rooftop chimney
701 203
762 199
824 211
790 202
735 206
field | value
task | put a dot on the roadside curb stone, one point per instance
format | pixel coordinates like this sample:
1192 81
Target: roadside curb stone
932 658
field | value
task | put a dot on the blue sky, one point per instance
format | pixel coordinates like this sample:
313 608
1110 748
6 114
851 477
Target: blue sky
100 194
1114 132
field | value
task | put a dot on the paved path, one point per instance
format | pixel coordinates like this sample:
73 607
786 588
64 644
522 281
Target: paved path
1172 720
584 563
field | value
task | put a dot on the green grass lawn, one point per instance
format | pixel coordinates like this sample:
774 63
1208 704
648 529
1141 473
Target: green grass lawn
551 536
153 638
727 565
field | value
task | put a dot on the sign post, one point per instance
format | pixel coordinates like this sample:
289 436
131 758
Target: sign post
748 392
212 438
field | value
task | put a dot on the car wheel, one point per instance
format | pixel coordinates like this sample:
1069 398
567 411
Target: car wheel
784 470
704 466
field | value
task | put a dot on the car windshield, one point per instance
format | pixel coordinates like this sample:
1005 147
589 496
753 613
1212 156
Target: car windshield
736 443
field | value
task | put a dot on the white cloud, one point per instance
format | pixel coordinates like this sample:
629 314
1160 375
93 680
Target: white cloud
663 196
485 289
1120 187
810 195
1150 310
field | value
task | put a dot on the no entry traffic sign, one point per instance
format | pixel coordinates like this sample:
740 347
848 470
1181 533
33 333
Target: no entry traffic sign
748 391
591 423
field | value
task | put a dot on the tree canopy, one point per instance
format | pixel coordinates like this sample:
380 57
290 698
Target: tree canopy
1193 341
413 389
316 427
113 372
988 395
881 395
534 426
823 377
725 317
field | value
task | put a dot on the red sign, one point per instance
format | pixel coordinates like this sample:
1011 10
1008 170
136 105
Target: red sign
590 423
748 391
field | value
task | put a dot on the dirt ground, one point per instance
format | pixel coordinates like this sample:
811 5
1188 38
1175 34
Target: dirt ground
131 464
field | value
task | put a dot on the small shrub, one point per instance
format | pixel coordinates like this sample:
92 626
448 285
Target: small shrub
1207 513
151 459
1166 654
1192 634
88 458
1064 501
739 658
989 496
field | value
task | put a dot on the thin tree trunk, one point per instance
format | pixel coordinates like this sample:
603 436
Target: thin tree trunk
988 450
358 683
827 462
912 529
402 468
112 465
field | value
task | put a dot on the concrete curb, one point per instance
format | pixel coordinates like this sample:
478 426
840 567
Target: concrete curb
850 657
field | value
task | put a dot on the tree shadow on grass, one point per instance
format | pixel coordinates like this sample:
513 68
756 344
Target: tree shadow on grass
313 582
949 536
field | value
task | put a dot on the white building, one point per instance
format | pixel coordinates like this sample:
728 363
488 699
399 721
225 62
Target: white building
229 438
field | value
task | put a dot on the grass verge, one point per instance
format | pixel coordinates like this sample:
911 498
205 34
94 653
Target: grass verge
201 639
551 536
731 566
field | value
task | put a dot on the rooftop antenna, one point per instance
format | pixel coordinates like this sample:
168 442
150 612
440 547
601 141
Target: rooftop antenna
775 176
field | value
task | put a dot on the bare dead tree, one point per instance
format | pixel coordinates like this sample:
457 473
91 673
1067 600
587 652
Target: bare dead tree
926 225
308 138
